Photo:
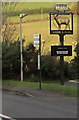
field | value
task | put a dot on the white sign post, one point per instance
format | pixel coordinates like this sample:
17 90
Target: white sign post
37 43
38 62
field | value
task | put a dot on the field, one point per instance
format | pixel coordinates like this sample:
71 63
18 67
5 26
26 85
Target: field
39 24
14 8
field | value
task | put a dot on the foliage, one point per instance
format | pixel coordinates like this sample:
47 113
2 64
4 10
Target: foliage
73 68
77 49
30 60
76 58
11 59
9 32
51 67
78 7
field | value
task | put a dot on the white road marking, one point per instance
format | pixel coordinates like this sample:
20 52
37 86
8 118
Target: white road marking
73 81
5 116
29 94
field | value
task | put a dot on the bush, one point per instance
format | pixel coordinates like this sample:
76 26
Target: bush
11 60
50 67
72 70
74 65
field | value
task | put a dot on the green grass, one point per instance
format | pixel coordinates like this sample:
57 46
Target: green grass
66 90
14 8
15 19
28 5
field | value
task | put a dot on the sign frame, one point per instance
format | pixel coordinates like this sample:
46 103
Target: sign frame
61 7
65 50
61 31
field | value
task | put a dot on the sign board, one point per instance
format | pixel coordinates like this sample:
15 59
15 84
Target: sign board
36 43
61 50
61 7
61 32
37 39
61 23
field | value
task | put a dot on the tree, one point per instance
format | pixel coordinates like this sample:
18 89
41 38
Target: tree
9 31
73 69
30 59
50 67
10 47
76 58
10 59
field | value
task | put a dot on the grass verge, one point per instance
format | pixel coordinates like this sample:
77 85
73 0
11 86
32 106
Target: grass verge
66 90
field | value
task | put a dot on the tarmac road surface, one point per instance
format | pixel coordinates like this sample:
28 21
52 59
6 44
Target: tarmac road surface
17 106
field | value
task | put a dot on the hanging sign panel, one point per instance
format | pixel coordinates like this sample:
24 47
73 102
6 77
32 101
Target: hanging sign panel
61 23
61 7
61 50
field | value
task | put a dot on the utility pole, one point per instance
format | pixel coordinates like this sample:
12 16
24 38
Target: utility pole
21 44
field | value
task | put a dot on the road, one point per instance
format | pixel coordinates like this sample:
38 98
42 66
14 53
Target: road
33 107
